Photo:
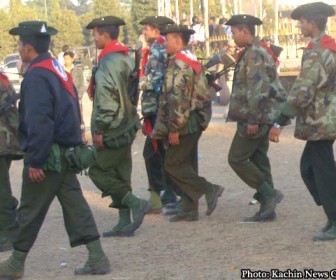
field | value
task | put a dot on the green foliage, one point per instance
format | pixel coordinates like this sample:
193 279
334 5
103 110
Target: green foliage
140 10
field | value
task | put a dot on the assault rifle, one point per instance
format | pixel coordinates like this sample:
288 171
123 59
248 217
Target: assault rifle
134 91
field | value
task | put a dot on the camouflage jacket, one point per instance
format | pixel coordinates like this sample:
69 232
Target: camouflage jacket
9 121
152 81
257 93
312 98
176 113
113 114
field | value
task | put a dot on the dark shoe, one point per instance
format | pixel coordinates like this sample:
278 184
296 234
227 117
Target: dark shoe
97 262
327 226
171 205
189 216
211 198
172 209
258 218
13 268
5 243
119 229
330 234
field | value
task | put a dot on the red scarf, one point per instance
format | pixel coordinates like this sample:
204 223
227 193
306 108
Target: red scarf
191 60
4 80
144 60
53 66
112 47
161 40
326 42
269 50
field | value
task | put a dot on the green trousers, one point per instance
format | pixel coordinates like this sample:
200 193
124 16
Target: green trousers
248 156
8 203
181 164
112 173
35 202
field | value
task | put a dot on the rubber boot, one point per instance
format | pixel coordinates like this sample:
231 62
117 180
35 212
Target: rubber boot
268 199
155 200
329 234
139 208
123 223
5 243
13 268
211 197
327 226
186 216
97 262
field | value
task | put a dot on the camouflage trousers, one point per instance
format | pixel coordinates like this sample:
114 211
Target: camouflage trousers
318 171
36 199
181 163
248 156
8 202
112 173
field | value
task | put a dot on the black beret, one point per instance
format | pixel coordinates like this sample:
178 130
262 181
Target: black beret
243 19
33 28
103 21
316 8
173 28
157 21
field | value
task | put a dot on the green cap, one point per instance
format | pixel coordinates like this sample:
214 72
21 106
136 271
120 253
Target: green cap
173 28
33 28
243 19
316 8
104 21
157 21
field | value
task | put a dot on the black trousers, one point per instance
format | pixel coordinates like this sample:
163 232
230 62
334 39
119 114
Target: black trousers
318 171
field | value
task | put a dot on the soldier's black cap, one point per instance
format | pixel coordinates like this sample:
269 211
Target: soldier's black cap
33 28
316 8
243 19
157 21
104 21
173 28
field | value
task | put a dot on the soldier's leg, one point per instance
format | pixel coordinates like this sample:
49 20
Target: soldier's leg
8 205
78 219
261 160
34 204
307 174
111 173
178 163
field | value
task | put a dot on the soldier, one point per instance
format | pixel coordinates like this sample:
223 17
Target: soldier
255 99
179 124
49 124
312 101
151 85
9 150
114 125
77 75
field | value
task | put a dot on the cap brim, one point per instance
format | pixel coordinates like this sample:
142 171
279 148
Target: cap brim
32 32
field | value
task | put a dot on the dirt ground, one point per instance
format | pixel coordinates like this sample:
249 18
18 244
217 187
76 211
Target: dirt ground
215 247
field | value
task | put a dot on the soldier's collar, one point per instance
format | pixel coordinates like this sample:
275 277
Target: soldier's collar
318 38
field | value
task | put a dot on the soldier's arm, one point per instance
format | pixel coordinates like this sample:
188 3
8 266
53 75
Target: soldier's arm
254 79
158 57
312 77
180 95
39 120
108 100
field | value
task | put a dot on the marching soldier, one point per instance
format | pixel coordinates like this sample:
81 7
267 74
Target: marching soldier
9 150
180 125
114 124
255 101
151 85
312 101
49 125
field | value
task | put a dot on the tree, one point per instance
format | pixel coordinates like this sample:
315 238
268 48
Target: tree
66 21
8 42
140 10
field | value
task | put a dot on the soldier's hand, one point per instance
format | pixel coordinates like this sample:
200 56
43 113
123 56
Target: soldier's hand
252 129
36 175
98 141
274 134
174 138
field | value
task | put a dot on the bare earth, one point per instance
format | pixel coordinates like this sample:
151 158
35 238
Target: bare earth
214 248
